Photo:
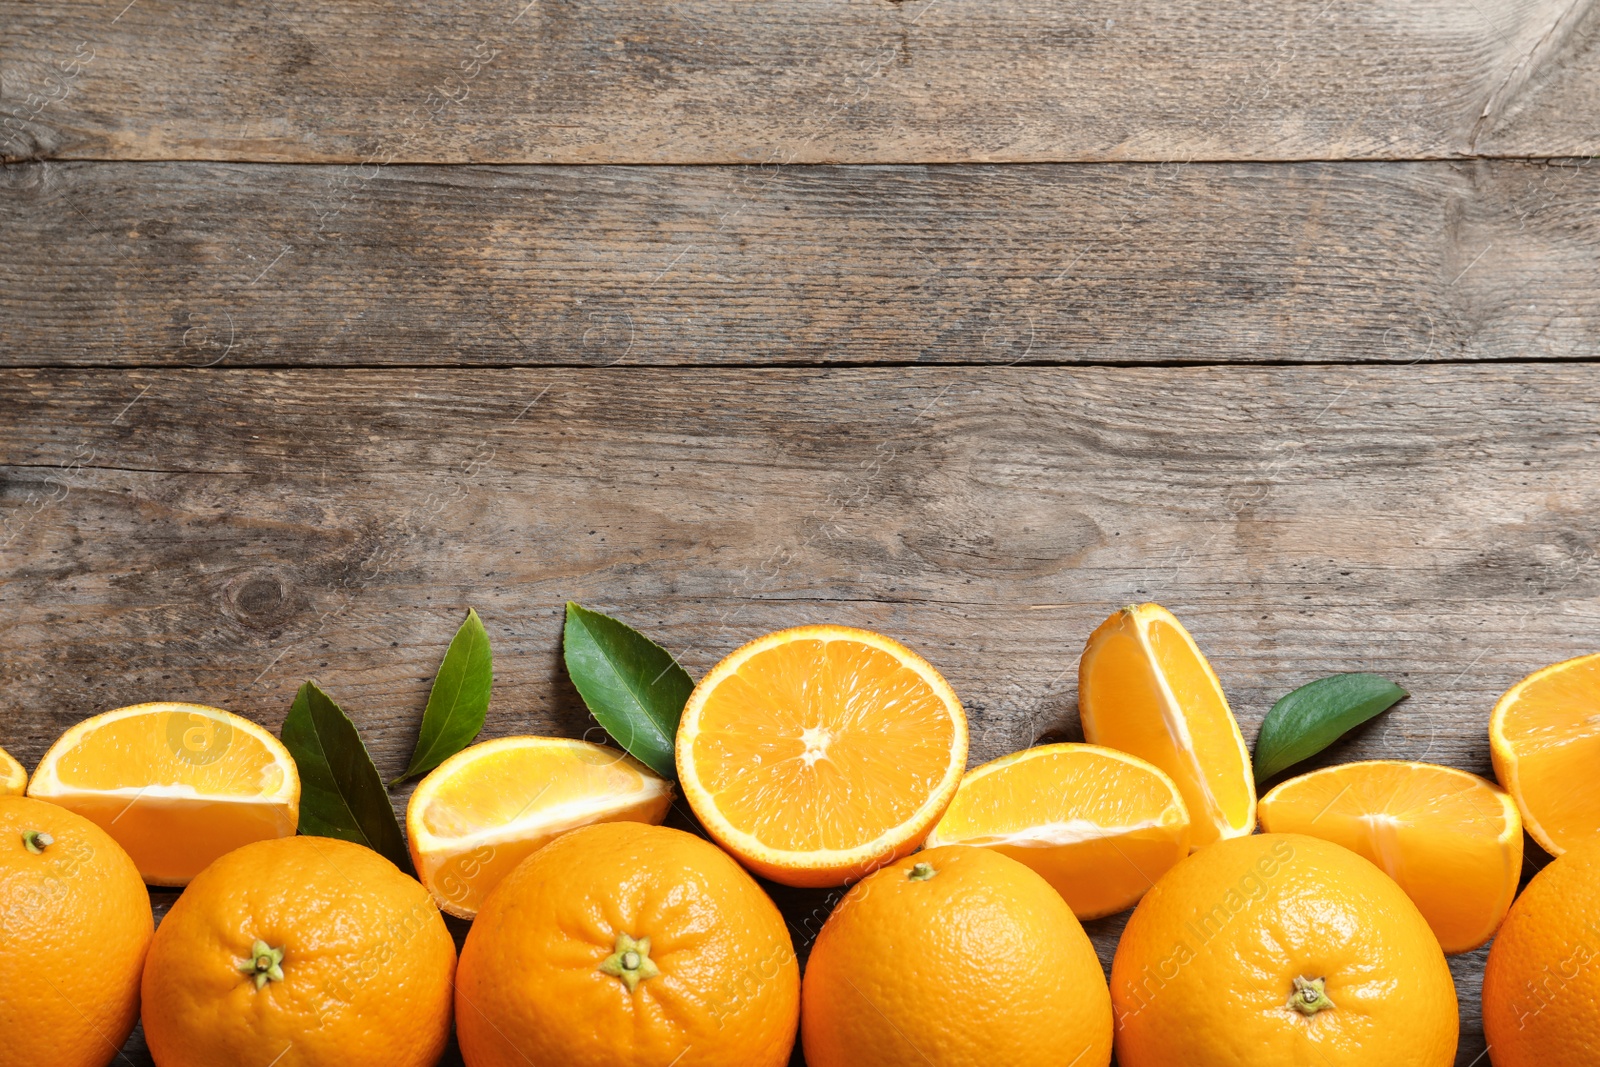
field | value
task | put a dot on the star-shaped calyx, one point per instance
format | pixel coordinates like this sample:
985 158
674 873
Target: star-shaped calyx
1309 997
630 962
264 965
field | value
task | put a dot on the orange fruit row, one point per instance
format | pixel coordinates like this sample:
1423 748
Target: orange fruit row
816 756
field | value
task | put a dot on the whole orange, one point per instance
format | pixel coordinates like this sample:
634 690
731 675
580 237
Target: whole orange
1541 989
626 943
954 957
300 952
1281 948
75 922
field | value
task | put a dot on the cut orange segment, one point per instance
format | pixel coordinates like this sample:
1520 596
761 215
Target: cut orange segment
1544 737
816 755
176 785
1144 687
1099 825
487 808
1452 840
13 778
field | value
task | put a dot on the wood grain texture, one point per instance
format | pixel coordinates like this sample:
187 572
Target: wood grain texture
199 264
218 535
753 81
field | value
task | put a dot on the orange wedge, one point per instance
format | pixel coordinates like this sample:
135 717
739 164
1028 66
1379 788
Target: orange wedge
1099 825
176 785
13 779
1452 840
817 755
487 808
1144 687
1544 737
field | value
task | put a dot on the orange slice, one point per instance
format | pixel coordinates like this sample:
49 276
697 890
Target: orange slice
1144 687
13 779
1099 825
1544 737
817 755
176 785
487 808
1452 840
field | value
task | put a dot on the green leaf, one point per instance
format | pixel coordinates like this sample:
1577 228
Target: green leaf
1316 715
633 686
459 699
341 792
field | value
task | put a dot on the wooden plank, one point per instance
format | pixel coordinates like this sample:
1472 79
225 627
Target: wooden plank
219 535
199 264
753 81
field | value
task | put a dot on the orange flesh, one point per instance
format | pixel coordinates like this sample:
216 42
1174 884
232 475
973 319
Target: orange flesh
509 785
171 749
1098 828
484 817
1445 836
173 840
1125 707
1553 730
176 789
13 778
817 744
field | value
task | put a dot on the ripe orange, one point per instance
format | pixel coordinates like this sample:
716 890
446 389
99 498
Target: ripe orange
818 754
177 785
954 957
1144 687
314 951
1100 825
1452 840
1281 948
1545 745
13 777
75 922
487 808
1541 988
625 943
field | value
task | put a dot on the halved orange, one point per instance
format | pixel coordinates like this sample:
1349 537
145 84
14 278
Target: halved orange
1544 738
13 778
818 754
1099 825
487 808
1145 687
1452 840
176 785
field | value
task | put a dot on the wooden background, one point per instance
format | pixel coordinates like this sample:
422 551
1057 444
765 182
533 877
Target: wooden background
965 320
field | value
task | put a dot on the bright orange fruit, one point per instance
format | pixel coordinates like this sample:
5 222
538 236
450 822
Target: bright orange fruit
818 754
1100 825
487 808
1541 988
1144 687
954 957
1281 949
625 943
1544 737
1452 840
75 923
13 777
300 952
177 785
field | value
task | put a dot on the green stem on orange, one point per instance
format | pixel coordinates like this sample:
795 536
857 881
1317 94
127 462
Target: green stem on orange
630 961
264 965
1309 996
921 872
36 841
